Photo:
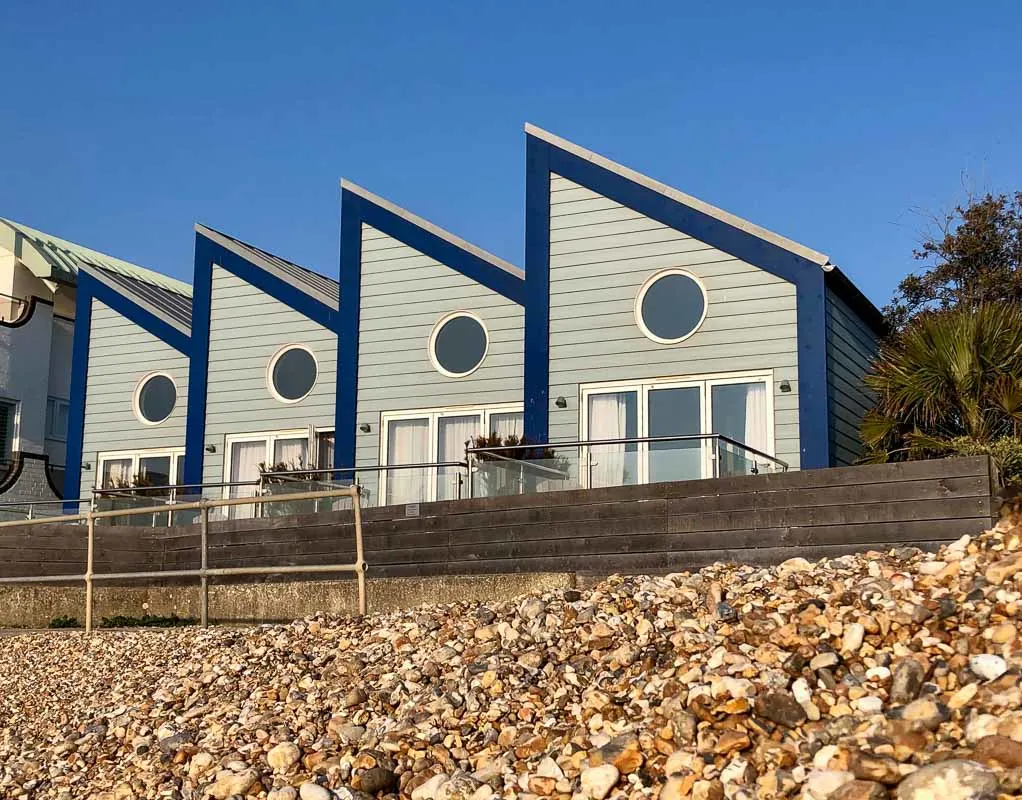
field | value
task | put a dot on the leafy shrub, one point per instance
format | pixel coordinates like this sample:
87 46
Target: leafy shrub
64 622
1006 453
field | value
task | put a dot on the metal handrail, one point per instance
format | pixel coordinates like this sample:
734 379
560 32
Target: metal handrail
632 440
204 571
220 485
371 468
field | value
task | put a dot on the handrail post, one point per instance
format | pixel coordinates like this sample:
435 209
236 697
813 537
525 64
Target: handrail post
204 564
360 567
89 563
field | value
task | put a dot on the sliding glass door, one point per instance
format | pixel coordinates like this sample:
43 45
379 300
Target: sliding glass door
675 411
738 407
432 437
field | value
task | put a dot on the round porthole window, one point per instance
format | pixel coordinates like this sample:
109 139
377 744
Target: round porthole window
458 344
155 398
292 373
671 306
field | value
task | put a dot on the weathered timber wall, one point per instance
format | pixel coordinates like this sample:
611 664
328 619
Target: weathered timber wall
668 526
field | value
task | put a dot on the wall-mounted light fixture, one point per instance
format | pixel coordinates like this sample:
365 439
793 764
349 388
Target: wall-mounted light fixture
210 448
365 427
560 402
785 386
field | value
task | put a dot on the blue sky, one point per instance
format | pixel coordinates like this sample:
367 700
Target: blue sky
840 125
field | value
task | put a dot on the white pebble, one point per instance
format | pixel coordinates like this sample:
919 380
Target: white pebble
869 705
987 666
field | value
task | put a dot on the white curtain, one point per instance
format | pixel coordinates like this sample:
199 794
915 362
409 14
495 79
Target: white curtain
407 443
756 422
506 423
452 435
291 452
245 459
116 473
608 415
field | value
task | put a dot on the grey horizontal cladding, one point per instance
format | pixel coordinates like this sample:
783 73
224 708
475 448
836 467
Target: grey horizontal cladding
404 293
784 364
720 271
851 347
576 290
120 355
621 319
240 348
601 253
731 344
395 292
423 315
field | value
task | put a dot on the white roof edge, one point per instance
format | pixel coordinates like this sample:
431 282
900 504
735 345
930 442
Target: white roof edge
674 194
228 243
37 263
457 241
96 274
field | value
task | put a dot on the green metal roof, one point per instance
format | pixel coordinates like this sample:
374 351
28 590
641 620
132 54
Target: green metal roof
51 258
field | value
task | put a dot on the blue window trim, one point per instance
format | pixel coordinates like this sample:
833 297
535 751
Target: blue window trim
208 253
544 158
356 210
88 289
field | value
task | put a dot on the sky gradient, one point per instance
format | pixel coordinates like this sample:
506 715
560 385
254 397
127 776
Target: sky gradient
840 125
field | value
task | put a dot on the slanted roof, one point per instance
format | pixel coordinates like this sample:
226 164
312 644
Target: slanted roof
172 307
52 258
175 305
679 196
834 277
437 231
318 286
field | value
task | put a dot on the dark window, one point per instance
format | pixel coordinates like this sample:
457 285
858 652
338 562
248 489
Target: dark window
294 373
459 345
156 398
672 306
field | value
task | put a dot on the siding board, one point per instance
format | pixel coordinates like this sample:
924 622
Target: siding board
395 371
120 354
601 253
240 348
851 347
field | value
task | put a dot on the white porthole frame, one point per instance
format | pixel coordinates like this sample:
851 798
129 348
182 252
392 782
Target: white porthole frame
137 396
431 347
663 273
273 362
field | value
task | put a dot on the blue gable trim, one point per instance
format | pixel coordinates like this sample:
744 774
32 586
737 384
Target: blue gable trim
88 289
347 334
536 422
79 380
356 210
807 277
198 362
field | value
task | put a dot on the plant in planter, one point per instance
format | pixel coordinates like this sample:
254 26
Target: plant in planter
290 477
519 469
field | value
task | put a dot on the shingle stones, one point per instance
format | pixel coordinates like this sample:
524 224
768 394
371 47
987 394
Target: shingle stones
886 676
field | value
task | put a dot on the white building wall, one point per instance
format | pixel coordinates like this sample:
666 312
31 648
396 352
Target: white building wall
24 374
